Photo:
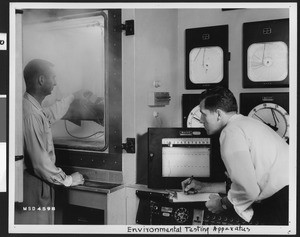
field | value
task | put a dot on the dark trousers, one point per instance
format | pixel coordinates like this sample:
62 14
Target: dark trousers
37 194
273 210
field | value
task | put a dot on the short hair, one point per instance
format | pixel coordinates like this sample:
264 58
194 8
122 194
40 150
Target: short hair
33 69
219 98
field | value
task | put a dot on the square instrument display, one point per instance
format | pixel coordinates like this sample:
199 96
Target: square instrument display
266 54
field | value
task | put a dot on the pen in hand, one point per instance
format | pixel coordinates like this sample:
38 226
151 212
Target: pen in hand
191 179
192 190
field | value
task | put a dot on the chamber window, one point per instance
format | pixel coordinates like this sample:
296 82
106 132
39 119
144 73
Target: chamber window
75 44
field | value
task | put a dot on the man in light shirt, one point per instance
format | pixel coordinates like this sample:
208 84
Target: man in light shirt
39 155
256 159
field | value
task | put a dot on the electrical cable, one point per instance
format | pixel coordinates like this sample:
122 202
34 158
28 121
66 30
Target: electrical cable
89 136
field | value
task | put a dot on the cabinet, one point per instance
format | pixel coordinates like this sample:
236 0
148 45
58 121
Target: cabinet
90 205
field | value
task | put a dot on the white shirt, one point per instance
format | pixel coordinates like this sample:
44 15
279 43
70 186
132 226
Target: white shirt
256 159
38 141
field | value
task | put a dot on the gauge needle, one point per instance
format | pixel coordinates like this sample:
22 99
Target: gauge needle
270 125
274 117
197 118
203 58
263 57
197 54
204 65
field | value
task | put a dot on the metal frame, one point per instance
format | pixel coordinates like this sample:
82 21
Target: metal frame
109 158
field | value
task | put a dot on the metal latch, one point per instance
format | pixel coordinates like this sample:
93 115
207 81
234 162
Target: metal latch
128 27
228 56
129 146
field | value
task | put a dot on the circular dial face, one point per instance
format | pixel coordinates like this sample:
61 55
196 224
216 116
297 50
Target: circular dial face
206 65
267 61
274 116
181 215
194 118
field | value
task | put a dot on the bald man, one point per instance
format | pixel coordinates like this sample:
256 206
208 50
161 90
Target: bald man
41 172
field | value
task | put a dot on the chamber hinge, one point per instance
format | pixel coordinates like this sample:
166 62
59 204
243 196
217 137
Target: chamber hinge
129 146
128 27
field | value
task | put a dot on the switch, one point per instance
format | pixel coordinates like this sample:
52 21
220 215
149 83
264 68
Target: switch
198 217
158 99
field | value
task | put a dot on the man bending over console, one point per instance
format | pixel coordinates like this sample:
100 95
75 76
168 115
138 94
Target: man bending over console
256 159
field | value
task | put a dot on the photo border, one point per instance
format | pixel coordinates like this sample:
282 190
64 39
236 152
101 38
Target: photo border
118 229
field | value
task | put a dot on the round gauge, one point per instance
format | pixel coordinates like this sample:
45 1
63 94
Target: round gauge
267 61
181 215
206 65
274 116
194 118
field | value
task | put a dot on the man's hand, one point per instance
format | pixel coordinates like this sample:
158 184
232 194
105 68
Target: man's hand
77 179
214 204
195 185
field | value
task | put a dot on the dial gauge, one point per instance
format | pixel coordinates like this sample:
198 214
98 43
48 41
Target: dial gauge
267 61
206 57
206 65
266 53
194 118
181 215
274 116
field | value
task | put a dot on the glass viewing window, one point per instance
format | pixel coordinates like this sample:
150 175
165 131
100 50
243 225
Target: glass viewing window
76 47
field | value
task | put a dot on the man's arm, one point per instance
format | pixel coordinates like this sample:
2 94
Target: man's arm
203 187
35 144
56 111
